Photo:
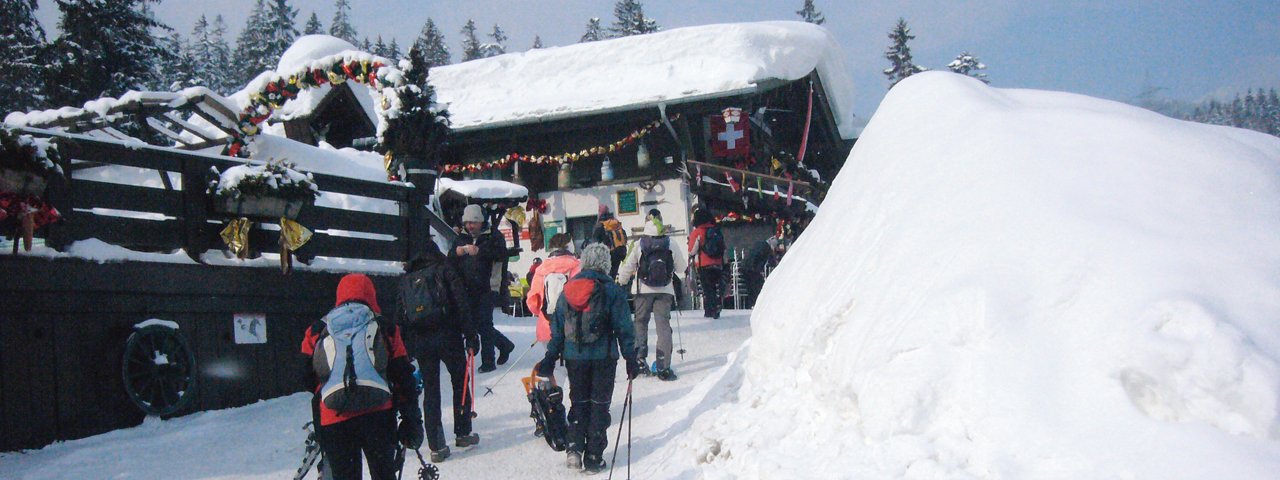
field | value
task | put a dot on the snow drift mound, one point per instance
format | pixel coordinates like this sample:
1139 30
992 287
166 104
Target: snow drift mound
1020 284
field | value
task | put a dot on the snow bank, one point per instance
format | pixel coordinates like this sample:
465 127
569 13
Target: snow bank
1019 284
481 189
670 66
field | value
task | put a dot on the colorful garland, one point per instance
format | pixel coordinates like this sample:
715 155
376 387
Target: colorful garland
568 157
280 89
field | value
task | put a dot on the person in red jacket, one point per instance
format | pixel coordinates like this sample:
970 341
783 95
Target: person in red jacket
343 435
710 268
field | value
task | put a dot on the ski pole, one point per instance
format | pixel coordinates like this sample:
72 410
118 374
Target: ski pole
489 389
428 471
626 405
400 462
679 335
468 382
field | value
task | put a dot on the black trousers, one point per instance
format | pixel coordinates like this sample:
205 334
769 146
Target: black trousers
755 281
433 348
374 434
490 338
709 282
590 392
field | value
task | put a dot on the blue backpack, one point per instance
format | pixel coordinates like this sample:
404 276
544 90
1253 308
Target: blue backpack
351 358
714 242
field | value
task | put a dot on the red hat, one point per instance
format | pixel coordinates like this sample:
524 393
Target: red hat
358 286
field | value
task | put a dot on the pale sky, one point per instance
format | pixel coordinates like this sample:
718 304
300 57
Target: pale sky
1191 49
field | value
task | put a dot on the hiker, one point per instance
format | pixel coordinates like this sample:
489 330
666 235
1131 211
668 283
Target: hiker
561 265
360 416
653 262
655 216
761 256
528 277
609 232
474 254
706 248
438 329
591 342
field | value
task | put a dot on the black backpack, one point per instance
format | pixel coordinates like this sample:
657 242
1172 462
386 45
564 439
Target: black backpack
714 242
587 326
656 262
425 297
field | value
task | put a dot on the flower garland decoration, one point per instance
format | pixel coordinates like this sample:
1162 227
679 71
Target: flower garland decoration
567 157
27 164
335 70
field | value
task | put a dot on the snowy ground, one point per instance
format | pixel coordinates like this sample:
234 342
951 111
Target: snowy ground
264 440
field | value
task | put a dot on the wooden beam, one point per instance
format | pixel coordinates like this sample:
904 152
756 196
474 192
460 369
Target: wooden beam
188 126
754 174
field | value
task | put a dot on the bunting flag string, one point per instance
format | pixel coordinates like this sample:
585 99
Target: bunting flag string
559 159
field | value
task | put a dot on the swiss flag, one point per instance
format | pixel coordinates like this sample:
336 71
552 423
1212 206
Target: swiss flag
730 139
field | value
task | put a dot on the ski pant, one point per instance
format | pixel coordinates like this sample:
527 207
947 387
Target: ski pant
371 433
490 338
659 304
709 281
754 281
432 348
590 392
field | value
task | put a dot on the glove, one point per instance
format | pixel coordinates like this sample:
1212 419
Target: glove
410 433
633 368
473 343
547 367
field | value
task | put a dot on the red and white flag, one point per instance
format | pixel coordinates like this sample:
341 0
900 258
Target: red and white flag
730 139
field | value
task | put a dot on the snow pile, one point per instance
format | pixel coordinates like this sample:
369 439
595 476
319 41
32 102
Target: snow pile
675 65
481 189
1018 284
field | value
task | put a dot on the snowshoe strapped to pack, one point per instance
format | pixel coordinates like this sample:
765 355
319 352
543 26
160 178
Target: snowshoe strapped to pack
547 402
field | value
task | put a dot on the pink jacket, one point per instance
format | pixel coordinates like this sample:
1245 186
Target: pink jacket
566 264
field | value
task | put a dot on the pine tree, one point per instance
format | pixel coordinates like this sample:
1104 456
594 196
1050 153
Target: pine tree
379 47
393 50
220 79
432 45
251 56
629 20
899 55
282 29
810 13
341 25
313 26
105 49
537 41
178 70
966 64
471 47
365 46
418 131
499 45
594 31
23 57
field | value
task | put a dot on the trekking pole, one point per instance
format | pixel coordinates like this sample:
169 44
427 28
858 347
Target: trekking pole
489 389
626 406
428 471
679 336
399 459
468 383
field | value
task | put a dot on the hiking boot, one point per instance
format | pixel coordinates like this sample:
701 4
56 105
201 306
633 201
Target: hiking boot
487 368
467 440
573 460
666 375
593 464
438 456
504 350
645 371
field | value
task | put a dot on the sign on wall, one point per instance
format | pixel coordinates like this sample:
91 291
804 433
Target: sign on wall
249 328
627 204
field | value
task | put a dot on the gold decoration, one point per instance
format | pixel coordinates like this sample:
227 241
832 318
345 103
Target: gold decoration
292 237
236 236
515 214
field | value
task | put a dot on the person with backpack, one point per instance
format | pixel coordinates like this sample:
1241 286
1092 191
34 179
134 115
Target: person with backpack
474 254
434 317
761 256
591 329
548 283
609 232
706 247
362 376
654 263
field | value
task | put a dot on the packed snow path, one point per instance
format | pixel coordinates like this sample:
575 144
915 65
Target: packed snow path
265 440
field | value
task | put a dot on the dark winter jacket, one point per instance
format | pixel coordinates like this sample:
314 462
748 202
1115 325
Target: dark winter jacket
758 257
477 270
437 266
622 338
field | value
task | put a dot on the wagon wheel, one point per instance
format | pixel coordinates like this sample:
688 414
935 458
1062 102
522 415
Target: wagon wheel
159 370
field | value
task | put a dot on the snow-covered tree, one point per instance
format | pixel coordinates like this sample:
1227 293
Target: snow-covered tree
218 58
341 25
179 69
810 13
23 57
417 131
105 49
393 50
499 45
899 55
365 46
594 31
432 45
471 46
967 64
379 47
251 56
537 41
629 20
313 26
282 29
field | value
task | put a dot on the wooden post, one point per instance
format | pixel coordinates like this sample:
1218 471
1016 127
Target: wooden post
195 238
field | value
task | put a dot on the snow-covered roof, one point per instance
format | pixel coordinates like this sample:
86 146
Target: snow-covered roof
481 189
305 52
673 66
